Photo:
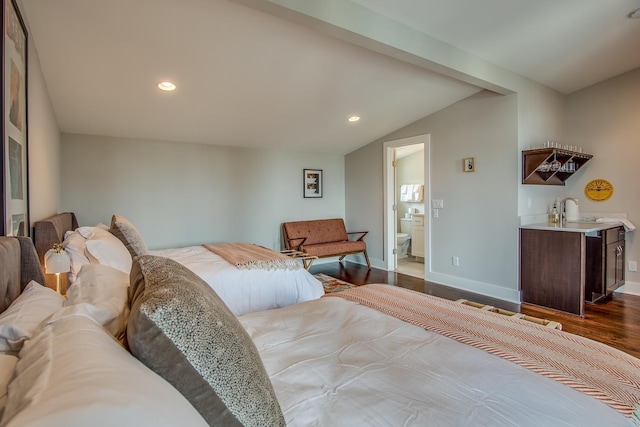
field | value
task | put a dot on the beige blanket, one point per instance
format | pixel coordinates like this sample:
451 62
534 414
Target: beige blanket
601 371
250 256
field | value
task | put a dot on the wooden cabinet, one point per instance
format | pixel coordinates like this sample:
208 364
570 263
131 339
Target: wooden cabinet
614 271
552 269
605 263
536 165
417 236
561 269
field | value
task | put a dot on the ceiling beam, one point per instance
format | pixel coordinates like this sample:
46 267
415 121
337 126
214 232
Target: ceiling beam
360 26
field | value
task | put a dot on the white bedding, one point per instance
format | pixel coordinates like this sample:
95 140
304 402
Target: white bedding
334 362
245 291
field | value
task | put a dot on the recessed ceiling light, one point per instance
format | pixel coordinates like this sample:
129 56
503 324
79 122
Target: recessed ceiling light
354 119
634 13
168 86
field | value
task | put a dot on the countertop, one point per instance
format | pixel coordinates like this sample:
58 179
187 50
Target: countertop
576 227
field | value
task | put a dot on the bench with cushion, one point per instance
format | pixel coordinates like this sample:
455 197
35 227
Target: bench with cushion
324 238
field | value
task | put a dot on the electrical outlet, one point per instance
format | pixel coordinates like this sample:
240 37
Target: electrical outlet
455 261
434 213
633 266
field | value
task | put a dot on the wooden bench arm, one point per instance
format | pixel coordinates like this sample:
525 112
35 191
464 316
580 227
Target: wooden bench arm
364 233
302 240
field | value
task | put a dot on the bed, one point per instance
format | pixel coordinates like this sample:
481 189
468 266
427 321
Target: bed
341 360
243 290
338 362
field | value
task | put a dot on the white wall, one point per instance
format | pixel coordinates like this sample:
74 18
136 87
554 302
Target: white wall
479 220
180 194
364 204
605 120
44 145
541 117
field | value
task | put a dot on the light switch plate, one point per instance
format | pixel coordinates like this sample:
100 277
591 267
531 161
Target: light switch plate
437 204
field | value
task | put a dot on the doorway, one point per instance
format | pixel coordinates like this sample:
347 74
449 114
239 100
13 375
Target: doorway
406 201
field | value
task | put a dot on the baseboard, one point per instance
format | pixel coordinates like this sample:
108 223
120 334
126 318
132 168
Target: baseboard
473 286
487 289
632 288
357 259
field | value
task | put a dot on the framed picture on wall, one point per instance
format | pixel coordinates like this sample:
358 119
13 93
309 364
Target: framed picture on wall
15 154
469 164
312 183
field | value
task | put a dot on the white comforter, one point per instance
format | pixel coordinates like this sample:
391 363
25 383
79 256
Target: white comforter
334 362
245 291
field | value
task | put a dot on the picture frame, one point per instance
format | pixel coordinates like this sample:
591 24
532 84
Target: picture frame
469 164
312 183
14 155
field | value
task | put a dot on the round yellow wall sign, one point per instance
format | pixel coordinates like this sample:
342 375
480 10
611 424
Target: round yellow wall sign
598 190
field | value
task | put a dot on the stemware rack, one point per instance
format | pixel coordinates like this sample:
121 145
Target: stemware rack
534 171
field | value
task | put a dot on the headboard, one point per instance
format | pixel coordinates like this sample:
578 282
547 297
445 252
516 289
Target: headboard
51 230
19 265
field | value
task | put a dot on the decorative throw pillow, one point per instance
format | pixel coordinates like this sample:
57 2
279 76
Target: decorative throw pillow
181 329
22 319
128 234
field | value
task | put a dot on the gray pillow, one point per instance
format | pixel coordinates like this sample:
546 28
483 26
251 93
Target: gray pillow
128 234
181 329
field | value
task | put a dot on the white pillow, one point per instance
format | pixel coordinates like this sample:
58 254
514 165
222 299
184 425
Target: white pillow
109 250
106 290
21 320
75 246
7 366
74 374
87 232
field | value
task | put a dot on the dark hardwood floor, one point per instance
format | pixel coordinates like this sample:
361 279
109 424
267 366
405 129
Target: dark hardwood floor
615 322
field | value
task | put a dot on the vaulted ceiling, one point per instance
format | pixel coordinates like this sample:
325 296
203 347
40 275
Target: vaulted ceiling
287 74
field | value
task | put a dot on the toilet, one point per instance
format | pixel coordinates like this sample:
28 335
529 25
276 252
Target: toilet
404 237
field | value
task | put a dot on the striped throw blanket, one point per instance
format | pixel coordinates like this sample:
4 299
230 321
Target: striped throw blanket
247 256
594 368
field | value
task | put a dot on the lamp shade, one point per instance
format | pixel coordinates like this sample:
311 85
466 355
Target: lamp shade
56 262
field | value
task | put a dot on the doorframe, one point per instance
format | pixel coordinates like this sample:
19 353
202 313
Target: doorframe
389 215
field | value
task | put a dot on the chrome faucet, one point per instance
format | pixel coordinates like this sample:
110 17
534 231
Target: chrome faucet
562 207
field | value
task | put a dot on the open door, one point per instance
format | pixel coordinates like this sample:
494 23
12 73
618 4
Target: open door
392 150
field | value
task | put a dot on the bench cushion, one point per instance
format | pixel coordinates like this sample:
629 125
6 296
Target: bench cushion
334 248
317 231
